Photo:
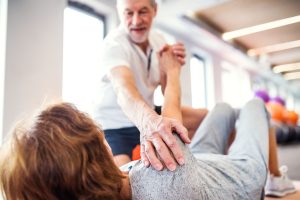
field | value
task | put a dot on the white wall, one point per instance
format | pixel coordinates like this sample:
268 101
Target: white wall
33 73
3 20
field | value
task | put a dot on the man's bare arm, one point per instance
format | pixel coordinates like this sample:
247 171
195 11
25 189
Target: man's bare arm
155 129
129 98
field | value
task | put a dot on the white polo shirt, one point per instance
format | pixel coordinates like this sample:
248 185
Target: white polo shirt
118 50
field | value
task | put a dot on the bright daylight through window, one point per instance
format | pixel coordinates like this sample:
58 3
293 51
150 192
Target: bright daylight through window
83 35
198 82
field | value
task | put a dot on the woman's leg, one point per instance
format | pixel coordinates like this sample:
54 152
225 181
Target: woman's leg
273 158
252 138
212 135
278 183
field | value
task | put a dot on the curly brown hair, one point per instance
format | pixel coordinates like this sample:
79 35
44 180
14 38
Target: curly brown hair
61 156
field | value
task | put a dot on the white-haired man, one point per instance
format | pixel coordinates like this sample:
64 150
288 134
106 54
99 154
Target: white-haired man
130 75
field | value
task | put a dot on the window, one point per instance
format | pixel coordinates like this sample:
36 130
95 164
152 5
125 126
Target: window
290 102
236 85
83 35
3 21
273 89
198 82
297 107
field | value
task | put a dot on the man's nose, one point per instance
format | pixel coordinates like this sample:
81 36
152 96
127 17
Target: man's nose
136 20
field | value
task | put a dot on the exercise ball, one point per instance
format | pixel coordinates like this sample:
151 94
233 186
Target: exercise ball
278 100
263 95
136 155
276 111
280 137
291 134
290 117
297 129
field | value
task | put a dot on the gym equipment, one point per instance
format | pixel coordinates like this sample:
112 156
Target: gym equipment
278 100
291 134
297 130
290 117
263 95
276 111
282 134
136 153
286 134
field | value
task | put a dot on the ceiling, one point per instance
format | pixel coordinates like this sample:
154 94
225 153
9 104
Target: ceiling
233 15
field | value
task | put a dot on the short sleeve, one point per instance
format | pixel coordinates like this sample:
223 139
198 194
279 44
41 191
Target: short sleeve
113 54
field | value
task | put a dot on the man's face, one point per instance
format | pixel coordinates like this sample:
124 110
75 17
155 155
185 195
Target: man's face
136 16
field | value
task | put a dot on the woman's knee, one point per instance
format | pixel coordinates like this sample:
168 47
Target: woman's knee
225 110
256 103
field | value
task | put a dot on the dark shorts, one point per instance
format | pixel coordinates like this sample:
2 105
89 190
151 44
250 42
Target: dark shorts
124 140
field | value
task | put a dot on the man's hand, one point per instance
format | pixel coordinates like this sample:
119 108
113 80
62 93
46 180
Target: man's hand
178 50
168 61
157 140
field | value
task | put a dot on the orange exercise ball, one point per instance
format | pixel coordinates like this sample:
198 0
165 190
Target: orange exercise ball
276 111
290 117
136 155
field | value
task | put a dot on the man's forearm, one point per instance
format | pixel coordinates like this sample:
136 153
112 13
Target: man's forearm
134 106
131 101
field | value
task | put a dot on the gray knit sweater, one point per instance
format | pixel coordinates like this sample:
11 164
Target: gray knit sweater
209 176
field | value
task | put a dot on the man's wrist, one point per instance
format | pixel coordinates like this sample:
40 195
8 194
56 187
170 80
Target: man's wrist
149 122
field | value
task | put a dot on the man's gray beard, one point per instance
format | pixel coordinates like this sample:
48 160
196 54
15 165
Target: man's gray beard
142 40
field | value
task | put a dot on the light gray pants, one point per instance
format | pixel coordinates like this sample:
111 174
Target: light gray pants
252 129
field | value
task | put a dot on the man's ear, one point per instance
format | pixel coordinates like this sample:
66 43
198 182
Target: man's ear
155 9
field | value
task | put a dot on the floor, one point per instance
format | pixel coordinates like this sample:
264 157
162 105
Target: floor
290 155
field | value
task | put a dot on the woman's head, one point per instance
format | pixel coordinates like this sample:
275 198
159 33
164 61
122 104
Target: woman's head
62 155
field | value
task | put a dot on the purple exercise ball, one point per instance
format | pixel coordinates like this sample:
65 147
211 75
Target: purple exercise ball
263 95
278 100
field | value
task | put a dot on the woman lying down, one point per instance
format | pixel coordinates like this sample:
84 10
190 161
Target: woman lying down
63 155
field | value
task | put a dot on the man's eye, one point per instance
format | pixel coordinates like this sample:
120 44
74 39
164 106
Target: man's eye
143 12
128 14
